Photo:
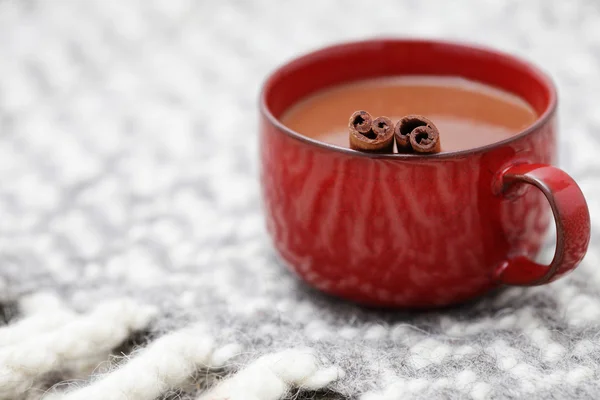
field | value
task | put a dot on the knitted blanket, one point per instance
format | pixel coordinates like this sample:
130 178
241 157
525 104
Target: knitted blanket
133 259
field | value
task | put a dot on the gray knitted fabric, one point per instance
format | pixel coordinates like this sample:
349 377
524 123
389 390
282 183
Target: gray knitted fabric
128 168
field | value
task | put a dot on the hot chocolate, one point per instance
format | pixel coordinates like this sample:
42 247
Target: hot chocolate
468 114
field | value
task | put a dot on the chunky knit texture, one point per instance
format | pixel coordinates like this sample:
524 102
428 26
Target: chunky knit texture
133 259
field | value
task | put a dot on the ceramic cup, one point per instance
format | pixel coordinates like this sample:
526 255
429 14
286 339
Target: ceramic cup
408 230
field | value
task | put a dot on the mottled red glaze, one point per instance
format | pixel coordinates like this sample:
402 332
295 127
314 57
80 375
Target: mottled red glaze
572 225
408 230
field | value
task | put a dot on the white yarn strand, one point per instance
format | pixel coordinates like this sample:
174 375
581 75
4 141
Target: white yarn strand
272 376
42 313
166 364
83 338
33 326
41 302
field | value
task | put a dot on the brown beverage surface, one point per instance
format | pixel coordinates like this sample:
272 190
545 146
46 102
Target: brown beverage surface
468 114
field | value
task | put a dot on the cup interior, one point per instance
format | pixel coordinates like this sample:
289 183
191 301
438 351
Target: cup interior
349 62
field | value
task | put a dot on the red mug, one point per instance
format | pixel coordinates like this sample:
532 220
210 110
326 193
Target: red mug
401 230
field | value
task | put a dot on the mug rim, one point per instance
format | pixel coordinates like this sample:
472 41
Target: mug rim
542 119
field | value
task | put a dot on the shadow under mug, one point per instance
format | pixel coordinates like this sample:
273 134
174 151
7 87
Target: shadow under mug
402 230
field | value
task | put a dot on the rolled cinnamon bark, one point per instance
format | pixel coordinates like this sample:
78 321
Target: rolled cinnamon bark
361 121
368 135
415 132
425 139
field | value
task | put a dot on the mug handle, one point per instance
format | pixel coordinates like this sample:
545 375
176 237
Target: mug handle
571 216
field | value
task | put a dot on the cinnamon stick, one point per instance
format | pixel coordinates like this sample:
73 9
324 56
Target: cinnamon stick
368 135
417 133
425 139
